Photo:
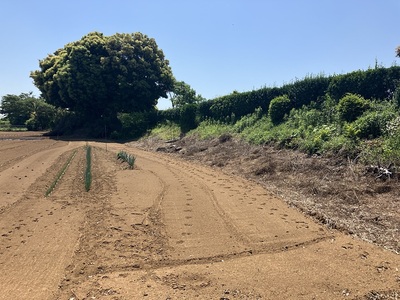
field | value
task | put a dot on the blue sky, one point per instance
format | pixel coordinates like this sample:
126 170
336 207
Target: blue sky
216 46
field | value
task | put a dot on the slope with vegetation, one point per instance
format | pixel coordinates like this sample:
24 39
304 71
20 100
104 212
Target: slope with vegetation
329 145
354 115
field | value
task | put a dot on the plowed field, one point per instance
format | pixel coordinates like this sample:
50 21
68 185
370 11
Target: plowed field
168 229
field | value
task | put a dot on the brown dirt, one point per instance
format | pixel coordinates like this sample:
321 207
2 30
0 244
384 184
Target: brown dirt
339 193
169 229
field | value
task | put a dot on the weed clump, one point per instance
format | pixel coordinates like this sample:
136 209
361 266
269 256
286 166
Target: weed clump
128 158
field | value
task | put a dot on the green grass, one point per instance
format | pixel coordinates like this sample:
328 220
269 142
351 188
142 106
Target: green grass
88 171
166 131
211 129
60 174
6 126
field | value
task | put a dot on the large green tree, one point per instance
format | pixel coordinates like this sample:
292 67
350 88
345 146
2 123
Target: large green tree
26 109
99 76
17 108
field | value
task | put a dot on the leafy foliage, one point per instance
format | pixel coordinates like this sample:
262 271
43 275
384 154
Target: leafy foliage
17 108
239 104
188 118
135 124
183 94
309 89
42 117
26 109
278 108
396 96
248 120
372 124
172 115
351 106
98 77
66 122
377 83
354 115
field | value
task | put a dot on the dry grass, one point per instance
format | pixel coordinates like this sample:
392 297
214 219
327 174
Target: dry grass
381 295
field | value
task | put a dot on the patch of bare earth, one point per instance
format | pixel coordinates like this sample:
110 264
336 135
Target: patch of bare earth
173 229
338 193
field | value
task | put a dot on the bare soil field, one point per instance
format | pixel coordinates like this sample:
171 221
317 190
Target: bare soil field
168 229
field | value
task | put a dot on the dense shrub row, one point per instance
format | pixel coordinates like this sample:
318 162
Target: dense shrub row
372 135
355 115
350 100
378 83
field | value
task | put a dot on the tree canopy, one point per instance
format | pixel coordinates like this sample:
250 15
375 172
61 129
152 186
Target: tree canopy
183 94
26 109
100 76
17 109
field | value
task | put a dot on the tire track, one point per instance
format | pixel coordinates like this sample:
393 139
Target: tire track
257 221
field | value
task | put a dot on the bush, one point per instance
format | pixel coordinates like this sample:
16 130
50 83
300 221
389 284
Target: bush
393 126
372 124
172 114
67 123
382 151
188 118
306 117
396 96
391 149
351 106
134 125
248 120
278 108
342 145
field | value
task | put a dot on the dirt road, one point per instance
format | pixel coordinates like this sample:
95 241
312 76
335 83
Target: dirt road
168 229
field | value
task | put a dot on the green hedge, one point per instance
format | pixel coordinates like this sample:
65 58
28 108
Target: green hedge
378 83
188 117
